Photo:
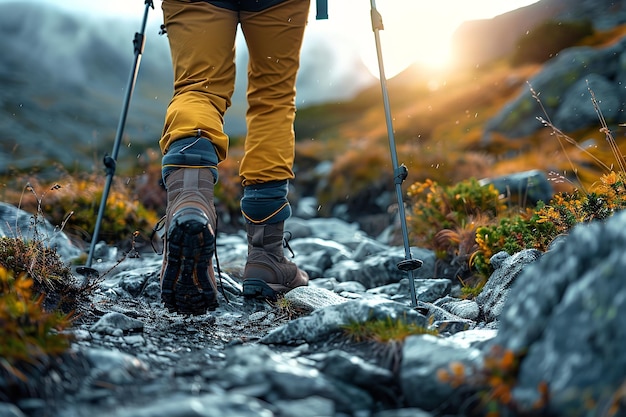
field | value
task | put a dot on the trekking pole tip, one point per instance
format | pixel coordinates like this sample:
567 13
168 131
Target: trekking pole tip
88 272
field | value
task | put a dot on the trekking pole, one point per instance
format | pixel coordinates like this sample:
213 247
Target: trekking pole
399 172
110 162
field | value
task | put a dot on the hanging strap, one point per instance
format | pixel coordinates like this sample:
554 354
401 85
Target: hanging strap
322 9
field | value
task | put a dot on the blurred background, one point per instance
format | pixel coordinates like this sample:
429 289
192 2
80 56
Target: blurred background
460 76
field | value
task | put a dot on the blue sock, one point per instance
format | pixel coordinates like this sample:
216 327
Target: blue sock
190 152
266 203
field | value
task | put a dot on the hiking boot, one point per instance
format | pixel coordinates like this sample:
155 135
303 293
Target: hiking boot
187 278
267 272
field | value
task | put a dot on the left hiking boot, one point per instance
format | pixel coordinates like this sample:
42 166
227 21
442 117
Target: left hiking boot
187 277
267 272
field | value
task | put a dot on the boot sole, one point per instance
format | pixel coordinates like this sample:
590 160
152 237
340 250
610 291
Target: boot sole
257 288
186 286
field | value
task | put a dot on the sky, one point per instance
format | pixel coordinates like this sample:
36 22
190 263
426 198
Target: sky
414 30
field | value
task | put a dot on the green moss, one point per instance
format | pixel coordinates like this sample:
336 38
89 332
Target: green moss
384 330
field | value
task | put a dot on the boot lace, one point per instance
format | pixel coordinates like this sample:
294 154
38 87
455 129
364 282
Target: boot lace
286 240
156 229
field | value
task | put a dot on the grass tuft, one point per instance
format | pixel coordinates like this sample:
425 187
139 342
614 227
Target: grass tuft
384 331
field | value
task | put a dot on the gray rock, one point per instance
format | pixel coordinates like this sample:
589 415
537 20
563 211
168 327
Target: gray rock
577 110
117 321
564 313
367 248
519 117
496 290
349 286
429 290
330 320
313 298
382 269
207 405
307 208
215 361
497 260
436 313
465 309
422 358
314 406
450 327
114 367
426 290
527 187
326 283
473 338
316 255
352 369
331 229
232 250
273 377
135 281
9 410
403 412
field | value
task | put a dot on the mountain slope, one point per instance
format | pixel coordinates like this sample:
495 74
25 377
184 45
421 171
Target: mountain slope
480 41
63 82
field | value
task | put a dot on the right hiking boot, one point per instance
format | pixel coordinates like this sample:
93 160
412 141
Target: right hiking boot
187 277
267 272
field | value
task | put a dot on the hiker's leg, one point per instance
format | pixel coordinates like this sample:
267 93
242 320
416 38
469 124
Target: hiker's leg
202 38
274 38
202 43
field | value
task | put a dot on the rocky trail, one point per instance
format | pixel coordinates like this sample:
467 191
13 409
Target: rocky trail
556 314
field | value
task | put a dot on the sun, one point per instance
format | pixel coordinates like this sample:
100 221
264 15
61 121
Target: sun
421 32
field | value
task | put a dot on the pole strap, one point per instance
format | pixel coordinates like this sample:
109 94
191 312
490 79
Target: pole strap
400 174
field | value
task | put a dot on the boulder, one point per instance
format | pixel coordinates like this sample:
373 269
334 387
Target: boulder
577 110
525 188
563 314
571 66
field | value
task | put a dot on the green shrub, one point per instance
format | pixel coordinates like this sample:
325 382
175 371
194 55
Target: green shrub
435 208
28 332
35 259
466 224
539 227
78 200
512 235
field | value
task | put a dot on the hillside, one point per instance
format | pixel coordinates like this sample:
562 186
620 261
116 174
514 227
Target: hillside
443 121
63 81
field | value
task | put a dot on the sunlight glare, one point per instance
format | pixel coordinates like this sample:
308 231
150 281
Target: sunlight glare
421 32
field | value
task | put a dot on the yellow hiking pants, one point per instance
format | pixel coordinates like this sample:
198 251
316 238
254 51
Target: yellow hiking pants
202 43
